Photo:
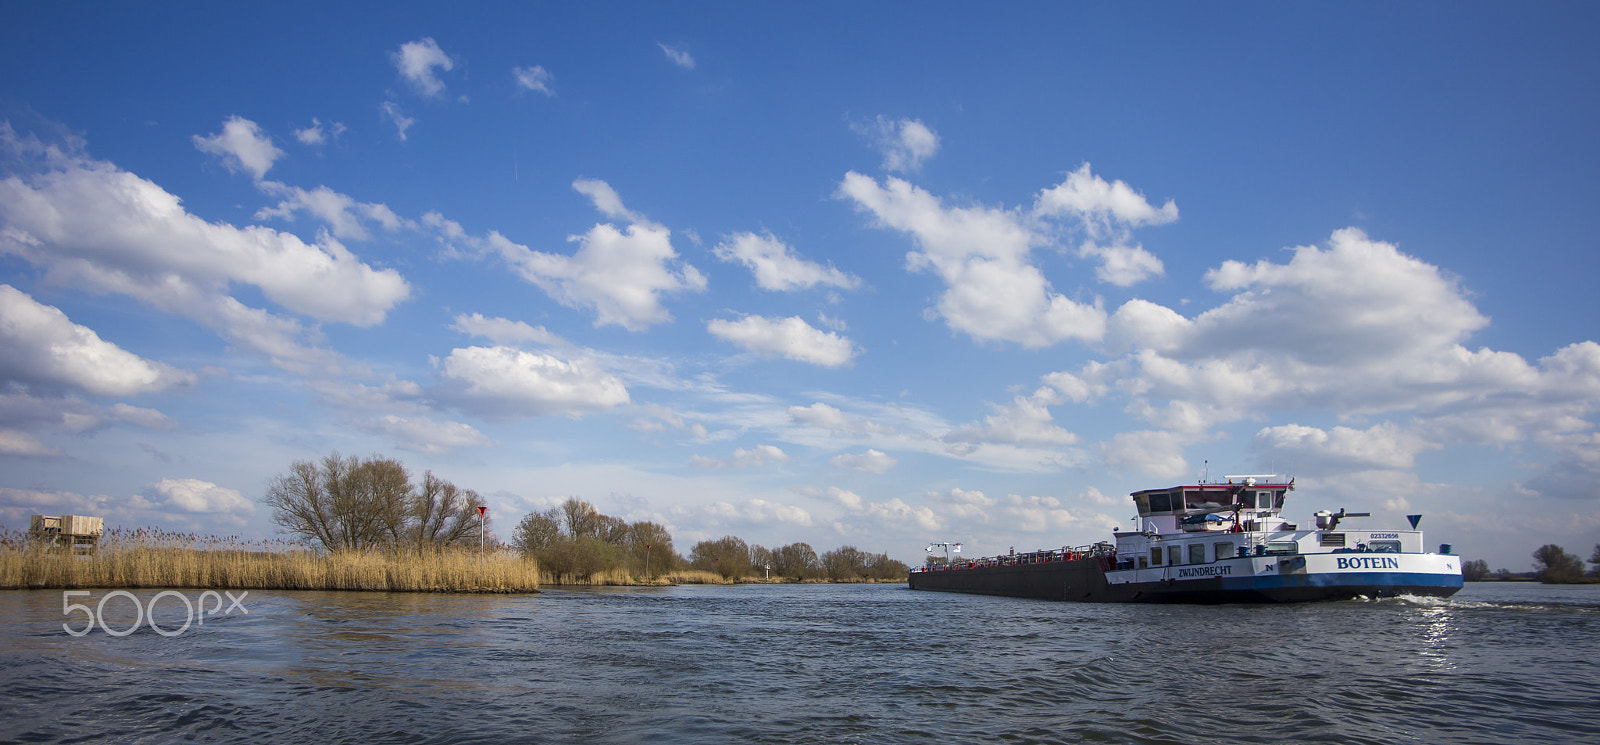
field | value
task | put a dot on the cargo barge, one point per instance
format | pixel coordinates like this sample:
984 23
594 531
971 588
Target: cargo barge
1214 543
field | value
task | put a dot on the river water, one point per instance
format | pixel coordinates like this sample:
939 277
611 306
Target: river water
1498 663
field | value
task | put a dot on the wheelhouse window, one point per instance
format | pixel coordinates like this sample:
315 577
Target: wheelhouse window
1199 499
1160 502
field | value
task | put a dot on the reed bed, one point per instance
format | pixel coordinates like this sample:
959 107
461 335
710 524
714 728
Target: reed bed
697 577
621 578
150 558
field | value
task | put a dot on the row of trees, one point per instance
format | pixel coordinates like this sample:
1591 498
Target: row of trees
577 541
1552 565
345 504
731 557
355 504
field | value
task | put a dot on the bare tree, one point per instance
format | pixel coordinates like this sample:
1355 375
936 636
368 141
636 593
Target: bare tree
612 530
328 502
302 505
444 515
538 531
357 526
761 560
385 489
845 563
881 567
796 561
353 504
580 518
1555 565
649 548
728 556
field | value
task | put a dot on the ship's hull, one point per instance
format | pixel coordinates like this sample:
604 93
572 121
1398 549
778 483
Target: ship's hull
1243 580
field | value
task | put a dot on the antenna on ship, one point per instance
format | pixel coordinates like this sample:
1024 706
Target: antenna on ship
946 545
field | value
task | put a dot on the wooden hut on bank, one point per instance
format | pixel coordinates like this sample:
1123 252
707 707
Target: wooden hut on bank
69 534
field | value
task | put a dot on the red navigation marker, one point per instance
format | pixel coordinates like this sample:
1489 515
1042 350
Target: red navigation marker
482 510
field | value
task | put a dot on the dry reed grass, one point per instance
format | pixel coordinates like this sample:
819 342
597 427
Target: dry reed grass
621 578
146 558
696 577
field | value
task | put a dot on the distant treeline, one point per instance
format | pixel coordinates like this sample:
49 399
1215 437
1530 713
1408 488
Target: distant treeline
577 544
344 504
1552 566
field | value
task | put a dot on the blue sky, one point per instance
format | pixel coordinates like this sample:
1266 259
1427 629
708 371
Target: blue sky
873 275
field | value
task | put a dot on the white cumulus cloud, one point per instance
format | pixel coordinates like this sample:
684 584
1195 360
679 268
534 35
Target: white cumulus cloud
864 513
1026 420
777 267
1108 213
93 226
534 78
22 408
982 254
1358 298
40 346
425 435
242 146
418 63
1123 266
504 381
789 338
503 330
319 133
871 461
753 513
1353 328
905 143
1100 205
1052 515
345 217
1317 451
1154 453
194 495
22 444
755 457
620 274
606 199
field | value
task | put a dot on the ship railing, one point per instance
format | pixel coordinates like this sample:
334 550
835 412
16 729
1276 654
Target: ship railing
1106 552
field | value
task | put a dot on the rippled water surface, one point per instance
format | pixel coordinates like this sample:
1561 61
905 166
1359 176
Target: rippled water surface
782 663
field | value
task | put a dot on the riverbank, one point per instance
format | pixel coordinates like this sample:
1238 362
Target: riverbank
176 561
155 559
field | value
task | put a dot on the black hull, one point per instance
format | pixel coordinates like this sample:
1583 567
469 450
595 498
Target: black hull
1084 581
